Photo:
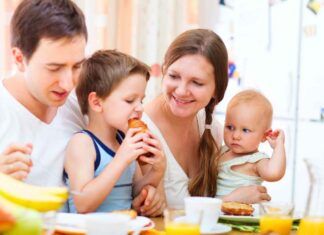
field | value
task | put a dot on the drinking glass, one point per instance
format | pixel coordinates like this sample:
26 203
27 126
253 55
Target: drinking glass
176 223
313 220
276 217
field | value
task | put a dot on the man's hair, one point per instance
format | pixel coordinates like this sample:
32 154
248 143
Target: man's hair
37 19
103 72
255 99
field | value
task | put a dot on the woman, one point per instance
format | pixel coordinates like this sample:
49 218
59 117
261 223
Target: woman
194 81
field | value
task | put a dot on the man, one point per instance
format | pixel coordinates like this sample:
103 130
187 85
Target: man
48 39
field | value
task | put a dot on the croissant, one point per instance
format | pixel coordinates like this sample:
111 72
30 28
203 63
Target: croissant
137 123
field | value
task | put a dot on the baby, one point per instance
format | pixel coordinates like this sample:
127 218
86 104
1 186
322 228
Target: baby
247 124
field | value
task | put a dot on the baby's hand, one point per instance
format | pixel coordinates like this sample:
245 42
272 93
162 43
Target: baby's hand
276 138
153 146
132 145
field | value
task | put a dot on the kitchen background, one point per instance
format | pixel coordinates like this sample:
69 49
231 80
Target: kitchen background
275 46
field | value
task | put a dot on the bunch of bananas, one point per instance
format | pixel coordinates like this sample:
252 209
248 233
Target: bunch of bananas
35 197
21 204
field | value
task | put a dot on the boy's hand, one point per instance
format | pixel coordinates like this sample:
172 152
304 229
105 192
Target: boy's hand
153 146
15 161
276 138
132 146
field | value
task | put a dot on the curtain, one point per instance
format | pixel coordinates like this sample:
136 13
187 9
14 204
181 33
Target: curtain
142 28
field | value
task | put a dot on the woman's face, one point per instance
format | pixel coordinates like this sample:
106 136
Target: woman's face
188 85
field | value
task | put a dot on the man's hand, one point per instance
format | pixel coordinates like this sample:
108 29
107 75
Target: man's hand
15 161
149 202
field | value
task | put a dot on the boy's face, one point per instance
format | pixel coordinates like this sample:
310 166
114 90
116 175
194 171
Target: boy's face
53 69
244 128
125 102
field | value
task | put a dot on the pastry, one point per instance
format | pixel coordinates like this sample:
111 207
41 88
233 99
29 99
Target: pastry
237 208
137 123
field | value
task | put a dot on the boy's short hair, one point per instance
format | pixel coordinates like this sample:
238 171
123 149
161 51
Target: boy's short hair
254 98
37 19
103 71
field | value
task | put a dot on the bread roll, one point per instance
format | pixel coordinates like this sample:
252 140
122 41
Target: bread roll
137 123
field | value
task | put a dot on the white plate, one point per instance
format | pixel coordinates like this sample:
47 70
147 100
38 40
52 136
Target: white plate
218 229
75 223
141 223
70 223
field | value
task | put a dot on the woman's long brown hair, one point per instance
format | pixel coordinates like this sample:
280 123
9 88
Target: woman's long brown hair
208 44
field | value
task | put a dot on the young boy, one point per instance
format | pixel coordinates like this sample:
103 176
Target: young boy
101 160
247 124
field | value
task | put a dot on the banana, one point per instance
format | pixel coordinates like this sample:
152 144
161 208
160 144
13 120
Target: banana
25 221
31 196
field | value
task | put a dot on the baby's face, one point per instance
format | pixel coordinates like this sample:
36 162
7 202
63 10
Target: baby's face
245 127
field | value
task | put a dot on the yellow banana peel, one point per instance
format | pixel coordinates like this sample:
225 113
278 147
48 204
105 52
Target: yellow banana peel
31 196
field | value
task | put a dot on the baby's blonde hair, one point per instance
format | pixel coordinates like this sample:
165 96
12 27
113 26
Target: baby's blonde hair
256 99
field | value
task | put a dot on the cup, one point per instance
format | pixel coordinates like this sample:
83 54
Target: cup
206 207
177 223
276 217
107 223
311 225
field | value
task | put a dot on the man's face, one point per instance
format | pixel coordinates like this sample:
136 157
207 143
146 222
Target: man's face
53 70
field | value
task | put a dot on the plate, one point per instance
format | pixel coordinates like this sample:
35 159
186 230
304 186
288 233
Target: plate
254 219
240 218
218 229
74 224
141 223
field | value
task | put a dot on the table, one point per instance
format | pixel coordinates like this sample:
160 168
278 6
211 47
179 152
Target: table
159 225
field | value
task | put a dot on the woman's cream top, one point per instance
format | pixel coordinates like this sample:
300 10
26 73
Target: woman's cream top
175 179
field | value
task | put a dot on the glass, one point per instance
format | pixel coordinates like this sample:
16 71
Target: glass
313 221
176 223
276 218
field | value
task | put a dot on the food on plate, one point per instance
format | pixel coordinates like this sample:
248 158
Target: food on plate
137 123
69 231
131 213
237 208
153 232
31 196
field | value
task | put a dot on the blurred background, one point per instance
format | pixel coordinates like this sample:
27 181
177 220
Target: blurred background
275 46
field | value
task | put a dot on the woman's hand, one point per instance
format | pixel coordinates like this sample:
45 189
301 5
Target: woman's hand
15 161
150 202
248 194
